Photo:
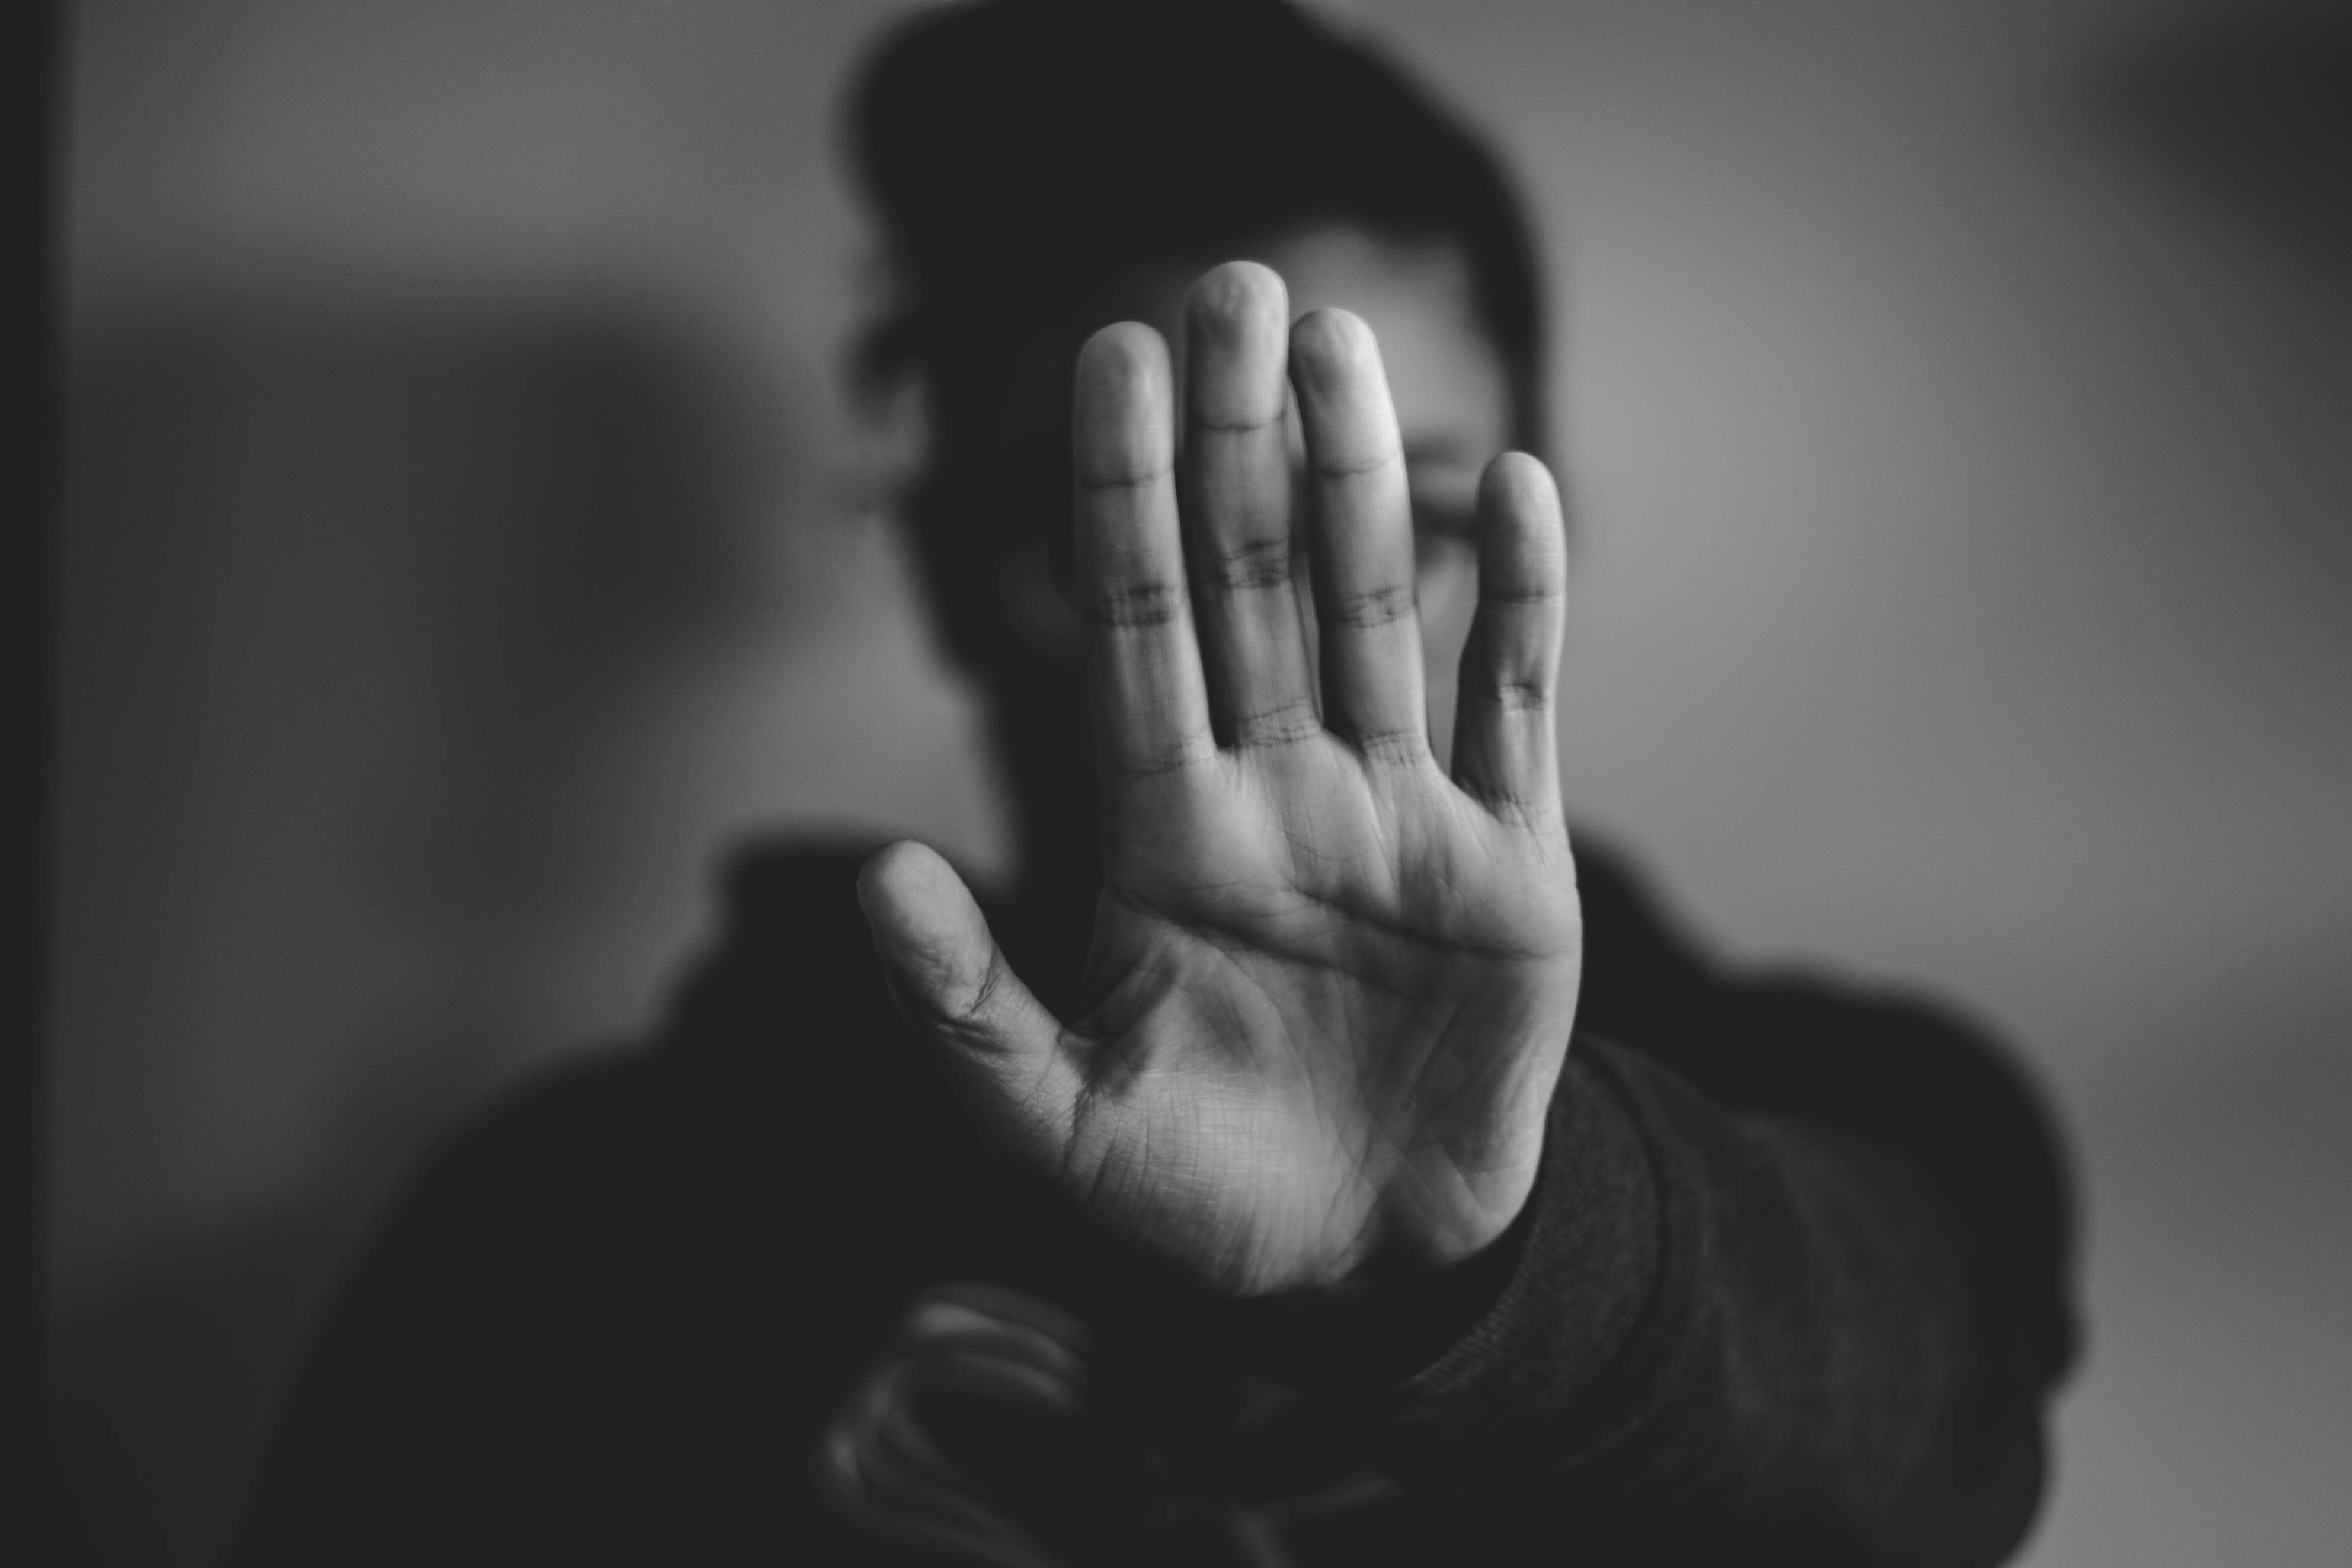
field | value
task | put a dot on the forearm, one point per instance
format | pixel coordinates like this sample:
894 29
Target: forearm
1774 1346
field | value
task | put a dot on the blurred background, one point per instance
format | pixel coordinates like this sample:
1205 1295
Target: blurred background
468 541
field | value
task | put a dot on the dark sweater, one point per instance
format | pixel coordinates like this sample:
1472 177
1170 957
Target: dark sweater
1791 1287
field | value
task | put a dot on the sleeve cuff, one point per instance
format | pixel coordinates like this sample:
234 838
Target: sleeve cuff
1583 1275
1539 1313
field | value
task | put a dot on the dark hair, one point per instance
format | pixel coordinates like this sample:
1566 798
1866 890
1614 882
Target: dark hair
1019 153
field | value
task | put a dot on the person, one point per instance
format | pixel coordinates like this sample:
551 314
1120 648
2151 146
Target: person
1319 1157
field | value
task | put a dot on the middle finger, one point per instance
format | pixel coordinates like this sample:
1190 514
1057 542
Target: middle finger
1237 512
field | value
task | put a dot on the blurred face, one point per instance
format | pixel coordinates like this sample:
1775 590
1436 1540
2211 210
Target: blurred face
1452 404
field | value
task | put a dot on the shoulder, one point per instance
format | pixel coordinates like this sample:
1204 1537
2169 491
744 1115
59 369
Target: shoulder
1886 1067
779 1055
1642 969
782 1053
792 963
791 937
596 1297
568 1177
772 1052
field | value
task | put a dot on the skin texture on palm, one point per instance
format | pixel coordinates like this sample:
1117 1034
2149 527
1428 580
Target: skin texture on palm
1330 988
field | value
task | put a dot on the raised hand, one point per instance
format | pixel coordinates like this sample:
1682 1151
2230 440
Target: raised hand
1330 989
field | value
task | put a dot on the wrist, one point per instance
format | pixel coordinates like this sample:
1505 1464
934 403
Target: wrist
1381 1325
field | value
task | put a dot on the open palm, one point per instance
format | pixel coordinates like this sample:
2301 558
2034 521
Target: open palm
1330 989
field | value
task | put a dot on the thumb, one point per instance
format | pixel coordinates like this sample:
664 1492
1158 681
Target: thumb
1003 1050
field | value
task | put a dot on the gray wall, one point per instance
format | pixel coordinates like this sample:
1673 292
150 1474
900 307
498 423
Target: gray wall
468 542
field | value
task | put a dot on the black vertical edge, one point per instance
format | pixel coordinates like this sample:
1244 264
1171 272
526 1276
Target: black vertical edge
29 562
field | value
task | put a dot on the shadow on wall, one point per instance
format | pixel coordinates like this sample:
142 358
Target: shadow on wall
357 595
